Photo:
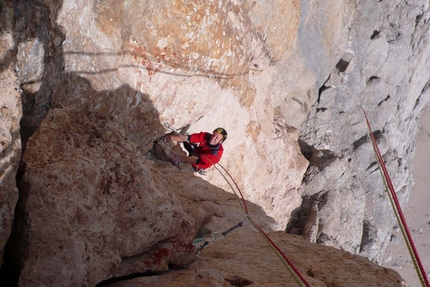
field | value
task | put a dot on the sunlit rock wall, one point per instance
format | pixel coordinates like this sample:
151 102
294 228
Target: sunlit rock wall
283 77
385 70
10 139
302 73
249 67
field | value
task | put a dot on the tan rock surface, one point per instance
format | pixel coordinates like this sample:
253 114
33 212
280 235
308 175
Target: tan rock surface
96 209
219 52
10 139
90 201
253 263
272 73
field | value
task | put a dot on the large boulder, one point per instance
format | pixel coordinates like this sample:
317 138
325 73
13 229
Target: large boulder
90 200
104 79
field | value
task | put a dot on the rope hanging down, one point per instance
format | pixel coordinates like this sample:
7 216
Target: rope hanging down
300 280
422 275
298 277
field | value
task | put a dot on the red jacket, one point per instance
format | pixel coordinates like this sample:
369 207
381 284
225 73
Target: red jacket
208 155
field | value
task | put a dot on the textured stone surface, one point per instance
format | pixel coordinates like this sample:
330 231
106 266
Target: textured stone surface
225 70
283 77
379 72
10 140
90 200
253 263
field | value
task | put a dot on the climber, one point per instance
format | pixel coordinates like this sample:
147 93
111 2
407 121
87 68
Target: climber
204 149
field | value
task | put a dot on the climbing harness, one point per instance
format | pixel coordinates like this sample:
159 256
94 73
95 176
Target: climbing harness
218 235
398 210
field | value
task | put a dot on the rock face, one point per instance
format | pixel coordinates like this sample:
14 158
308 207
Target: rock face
10 140
100 197
98 81
319 267
114 213
162 72
381 72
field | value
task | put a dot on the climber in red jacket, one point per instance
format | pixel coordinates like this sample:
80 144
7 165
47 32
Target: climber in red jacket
204 149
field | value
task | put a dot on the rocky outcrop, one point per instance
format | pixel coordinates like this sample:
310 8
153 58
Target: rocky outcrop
103 204
309 76
95 210
99 80
227 74
10 140
319 266
381 72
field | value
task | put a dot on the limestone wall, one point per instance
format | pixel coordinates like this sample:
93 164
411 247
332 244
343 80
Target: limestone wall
99 79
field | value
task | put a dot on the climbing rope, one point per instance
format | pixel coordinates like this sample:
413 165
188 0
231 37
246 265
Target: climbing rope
422 275
298 277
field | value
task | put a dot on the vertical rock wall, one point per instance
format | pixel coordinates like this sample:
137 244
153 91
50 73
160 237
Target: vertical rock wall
308 75
225 61
384 70
10 140
283 77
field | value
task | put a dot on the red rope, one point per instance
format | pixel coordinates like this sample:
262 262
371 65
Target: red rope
238 189
296 271
267 238
397 208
